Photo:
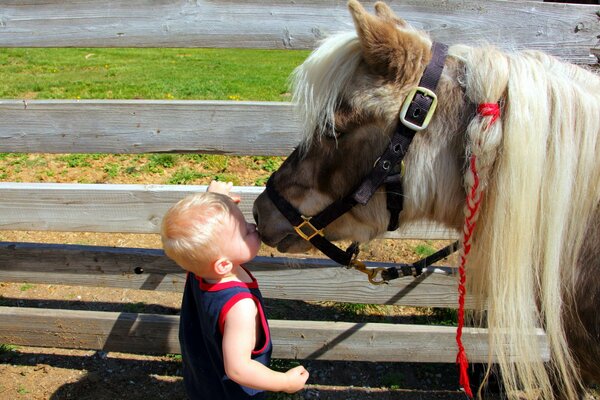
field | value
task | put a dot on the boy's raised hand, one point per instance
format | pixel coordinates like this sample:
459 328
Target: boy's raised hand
223 188
296 377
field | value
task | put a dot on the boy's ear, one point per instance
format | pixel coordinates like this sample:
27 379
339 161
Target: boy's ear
222 266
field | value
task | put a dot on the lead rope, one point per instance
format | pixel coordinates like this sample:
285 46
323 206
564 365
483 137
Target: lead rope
474 197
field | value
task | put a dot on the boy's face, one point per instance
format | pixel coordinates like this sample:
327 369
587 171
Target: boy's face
238 239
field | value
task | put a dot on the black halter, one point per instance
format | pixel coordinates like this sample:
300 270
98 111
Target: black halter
415 114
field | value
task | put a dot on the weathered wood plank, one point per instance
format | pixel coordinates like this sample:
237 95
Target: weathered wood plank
307 279
144 126
565 30
125 208
151 333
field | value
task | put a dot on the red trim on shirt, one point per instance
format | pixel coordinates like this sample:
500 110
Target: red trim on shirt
265 328
230 303
263 319
213 287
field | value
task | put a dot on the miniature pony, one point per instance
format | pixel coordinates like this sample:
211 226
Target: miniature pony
533 170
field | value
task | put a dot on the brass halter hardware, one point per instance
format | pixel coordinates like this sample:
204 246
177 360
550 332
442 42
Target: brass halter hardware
311 232
373 274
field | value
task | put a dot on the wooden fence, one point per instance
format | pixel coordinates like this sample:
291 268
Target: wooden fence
136 126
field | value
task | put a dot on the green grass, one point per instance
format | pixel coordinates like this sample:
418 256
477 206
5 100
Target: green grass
22 391
174 357
210 74
134 307
7 348
393 380
25 287
112 169
184 176
439 316
424 249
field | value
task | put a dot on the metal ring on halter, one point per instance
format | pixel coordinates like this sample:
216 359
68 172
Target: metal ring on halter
372 273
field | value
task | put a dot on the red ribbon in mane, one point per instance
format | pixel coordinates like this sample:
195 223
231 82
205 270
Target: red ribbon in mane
489 110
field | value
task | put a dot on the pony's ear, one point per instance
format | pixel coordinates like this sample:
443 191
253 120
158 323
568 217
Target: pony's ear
389 50
384 12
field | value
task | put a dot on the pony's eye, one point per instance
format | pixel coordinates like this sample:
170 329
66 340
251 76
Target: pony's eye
332 132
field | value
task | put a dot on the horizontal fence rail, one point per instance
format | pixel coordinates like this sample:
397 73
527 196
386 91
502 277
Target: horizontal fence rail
565 30
129 332
308 279
127 208
148 126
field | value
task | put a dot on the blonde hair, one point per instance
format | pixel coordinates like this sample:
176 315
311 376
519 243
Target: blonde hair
189 228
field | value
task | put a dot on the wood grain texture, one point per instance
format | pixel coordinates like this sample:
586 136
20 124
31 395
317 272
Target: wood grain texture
148 126
152 334
565 30
307 279
126 208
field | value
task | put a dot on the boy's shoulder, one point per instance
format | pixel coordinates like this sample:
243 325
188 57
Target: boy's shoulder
242 303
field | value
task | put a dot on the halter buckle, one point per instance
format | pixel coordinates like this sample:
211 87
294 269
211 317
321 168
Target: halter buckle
407 102
306 230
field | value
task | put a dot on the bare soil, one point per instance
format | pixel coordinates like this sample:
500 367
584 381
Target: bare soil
49 373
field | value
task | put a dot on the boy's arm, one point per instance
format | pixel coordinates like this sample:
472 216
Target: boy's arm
239 338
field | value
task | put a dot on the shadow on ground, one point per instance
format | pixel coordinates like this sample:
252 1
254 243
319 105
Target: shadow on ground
115 376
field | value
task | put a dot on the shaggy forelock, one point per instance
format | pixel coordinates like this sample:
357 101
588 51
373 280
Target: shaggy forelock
319 83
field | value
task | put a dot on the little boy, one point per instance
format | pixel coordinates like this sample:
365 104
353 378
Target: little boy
223 332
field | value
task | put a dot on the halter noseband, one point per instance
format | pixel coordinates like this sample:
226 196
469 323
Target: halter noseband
415 114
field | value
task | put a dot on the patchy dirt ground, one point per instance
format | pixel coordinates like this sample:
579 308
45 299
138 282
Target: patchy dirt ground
48 373
36 373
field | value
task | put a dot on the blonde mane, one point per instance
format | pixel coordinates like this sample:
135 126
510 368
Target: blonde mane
543 187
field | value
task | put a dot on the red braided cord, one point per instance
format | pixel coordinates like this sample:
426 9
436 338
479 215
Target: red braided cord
473 205
485 110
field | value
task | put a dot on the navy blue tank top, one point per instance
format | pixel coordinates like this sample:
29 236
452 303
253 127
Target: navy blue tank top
203 311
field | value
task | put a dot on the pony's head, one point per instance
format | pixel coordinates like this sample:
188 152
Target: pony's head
349 93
